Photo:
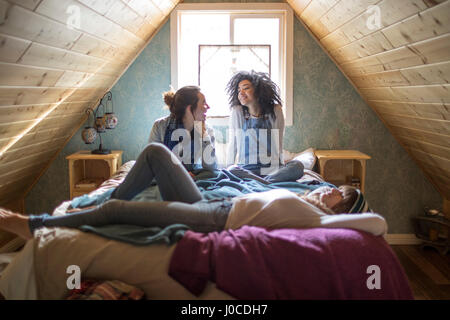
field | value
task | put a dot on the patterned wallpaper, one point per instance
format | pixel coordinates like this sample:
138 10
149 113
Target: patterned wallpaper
328 114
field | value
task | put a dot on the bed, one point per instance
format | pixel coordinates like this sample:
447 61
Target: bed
247 263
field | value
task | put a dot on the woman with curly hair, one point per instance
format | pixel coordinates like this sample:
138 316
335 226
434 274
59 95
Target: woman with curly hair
256 130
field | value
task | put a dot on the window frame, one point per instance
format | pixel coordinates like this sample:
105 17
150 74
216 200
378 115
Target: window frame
242 9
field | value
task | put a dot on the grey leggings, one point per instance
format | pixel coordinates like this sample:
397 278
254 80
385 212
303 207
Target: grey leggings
182 203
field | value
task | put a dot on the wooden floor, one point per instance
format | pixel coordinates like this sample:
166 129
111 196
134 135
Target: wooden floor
428 271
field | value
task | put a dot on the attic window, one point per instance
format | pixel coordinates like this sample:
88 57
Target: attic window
211 41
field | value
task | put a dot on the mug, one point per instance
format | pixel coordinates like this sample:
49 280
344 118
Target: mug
89 134
111 120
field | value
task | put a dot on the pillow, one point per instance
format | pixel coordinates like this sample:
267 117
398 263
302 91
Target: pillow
307 157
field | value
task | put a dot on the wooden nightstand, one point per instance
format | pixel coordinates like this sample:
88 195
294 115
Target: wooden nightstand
87 171
343 167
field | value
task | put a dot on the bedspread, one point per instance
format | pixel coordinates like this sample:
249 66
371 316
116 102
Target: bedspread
255 263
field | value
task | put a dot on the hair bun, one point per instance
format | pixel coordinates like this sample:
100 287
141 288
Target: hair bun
169 97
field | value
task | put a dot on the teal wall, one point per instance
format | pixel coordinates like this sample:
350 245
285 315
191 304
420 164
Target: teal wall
328 114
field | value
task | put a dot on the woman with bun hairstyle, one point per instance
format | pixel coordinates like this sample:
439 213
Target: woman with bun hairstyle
188 109
255 110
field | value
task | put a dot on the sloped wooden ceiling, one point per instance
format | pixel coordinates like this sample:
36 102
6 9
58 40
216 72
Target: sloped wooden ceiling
57 58
397 54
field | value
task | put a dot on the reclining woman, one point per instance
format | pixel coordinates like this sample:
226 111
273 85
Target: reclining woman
183 204
187 119
256 119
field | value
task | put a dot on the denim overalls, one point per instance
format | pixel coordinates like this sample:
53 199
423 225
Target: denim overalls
262 145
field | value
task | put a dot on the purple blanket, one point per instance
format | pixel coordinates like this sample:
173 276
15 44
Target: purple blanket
319 263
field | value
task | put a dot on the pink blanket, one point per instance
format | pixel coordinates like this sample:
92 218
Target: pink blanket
255 263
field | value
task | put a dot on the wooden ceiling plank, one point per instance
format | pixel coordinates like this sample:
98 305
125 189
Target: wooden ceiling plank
364 47
21 173
435 111
436 161
35 136
388 38
39 55
125 17
297 5
28 4
425 25
422 135
10 96
420 53
22 96
434 149
9 130
59 121
100 7
43 156
20 75
12 48
148 11
13 190
100 48
25 24
430 125
11 114
380 79
316 9
18 153
392 11
434 171
338 15
70 79
437 73
90 22
165 5
444 189
146 30
431 93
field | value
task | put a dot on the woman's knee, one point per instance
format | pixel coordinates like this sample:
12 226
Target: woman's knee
156 149
297 164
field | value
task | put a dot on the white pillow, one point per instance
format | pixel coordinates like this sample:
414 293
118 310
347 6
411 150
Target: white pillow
307 157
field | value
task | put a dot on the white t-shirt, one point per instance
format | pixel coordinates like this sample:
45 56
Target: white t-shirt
281 208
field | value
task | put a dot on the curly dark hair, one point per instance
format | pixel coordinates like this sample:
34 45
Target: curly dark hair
266 91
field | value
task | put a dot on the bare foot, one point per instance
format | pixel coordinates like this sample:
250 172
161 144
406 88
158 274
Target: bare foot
15 223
